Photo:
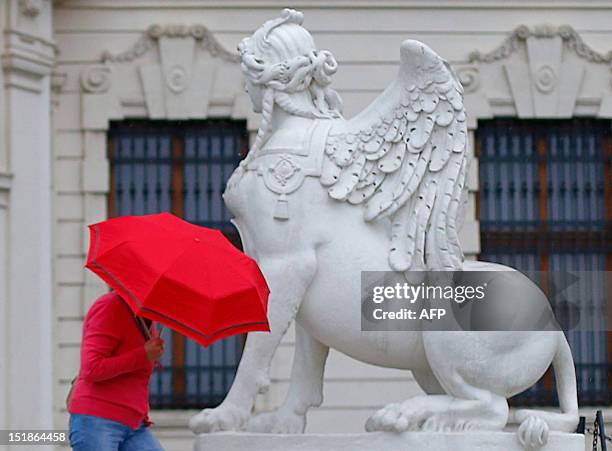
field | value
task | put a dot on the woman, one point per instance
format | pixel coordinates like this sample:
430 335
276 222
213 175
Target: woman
109 405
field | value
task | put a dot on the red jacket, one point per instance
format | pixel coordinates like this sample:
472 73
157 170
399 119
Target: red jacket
113 382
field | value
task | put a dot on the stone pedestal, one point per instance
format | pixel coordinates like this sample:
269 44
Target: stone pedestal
381 441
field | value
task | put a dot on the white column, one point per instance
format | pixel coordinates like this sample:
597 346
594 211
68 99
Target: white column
27 59
4 194
5 183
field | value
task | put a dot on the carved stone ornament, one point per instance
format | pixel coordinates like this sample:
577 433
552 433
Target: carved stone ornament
545 78
171 72
385 192
58 81
469 78
177 78
545 68
30 8
147 41
284 170
283 177
571 38
96 79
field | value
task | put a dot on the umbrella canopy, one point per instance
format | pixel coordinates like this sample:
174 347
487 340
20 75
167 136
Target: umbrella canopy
190 278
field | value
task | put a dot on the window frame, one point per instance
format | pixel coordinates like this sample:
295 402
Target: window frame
544 239
178 131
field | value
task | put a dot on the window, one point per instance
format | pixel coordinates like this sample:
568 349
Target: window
181 167
545 204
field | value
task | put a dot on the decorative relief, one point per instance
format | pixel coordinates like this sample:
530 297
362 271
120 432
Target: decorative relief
469 78
552 61
281 176
58 80
176 68
569 36
147 41
30 8
177 78
284 170
96 79
545 78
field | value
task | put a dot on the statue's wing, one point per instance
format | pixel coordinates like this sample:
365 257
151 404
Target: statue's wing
405 157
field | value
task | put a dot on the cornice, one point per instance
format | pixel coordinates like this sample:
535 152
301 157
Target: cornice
16 60
326 4
30 39
27 56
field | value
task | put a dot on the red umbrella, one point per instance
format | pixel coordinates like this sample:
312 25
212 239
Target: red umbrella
190 278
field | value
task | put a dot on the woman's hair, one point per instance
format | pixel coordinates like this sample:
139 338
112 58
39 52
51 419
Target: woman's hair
281 58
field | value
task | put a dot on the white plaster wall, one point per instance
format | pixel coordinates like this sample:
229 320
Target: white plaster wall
365 38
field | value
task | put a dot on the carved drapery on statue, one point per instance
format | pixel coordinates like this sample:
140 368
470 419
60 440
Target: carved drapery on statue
284 171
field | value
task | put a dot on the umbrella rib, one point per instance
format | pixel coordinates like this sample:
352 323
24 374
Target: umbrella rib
118 282
97 243
202 333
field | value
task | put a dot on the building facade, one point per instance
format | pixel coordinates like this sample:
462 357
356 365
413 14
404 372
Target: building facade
138 106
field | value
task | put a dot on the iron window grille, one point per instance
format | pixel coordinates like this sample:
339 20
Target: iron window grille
545 204
181 167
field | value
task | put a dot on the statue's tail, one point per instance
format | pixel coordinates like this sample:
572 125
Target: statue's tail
534 424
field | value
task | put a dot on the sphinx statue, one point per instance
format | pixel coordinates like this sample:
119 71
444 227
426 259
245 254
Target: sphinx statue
321 198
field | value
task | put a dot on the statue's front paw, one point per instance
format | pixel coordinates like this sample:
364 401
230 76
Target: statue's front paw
277 422
533 433
396 417
222 418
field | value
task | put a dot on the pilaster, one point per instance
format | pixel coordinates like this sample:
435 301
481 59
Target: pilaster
27 56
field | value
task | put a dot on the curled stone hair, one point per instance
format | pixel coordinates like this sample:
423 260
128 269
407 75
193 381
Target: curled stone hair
281 58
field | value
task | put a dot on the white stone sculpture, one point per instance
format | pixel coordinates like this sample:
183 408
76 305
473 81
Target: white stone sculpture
321 198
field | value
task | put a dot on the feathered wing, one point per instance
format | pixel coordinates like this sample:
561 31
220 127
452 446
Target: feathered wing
405 157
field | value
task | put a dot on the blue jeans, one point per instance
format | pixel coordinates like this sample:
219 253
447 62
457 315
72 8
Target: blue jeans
91 433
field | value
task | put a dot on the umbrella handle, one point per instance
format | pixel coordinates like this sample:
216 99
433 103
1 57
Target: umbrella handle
161 329
143 327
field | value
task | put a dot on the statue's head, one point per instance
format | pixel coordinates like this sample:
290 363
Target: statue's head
283 67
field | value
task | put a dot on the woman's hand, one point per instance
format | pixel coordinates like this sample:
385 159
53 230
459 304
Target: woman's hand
154 347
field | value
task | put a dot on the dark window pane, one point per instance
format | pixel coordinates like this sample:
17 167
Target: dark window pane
542 206
145 169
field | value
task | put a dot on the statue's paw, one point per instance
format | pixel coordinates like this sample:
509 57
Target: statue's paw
533 433
222 418
395 418
277 422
